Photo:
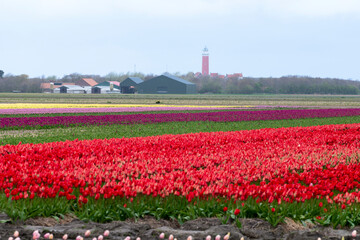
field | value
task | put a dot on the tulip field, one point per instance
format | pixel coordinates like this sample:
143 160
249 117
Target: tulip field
105 163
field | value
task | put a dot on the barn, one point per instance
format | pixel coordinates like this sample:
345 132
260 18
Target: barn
86 82
167 84
130 85
72 89
110 84
104 89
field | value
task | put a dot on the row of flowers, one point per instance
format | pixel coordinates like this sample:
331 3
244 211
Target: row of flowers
227 116
13 106
99 110
289 164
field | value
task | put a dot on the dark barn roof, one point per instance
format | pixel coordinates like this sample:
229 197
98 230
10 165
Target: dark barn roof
167 84
136 80
177 79
130 81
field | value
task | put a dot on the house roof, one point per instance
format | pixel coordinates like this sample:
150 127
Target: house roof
115 83
90 81
177 79
136 80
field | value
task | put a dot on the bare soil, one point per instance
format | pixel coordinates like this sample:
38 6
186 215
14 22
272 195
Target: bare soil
150 228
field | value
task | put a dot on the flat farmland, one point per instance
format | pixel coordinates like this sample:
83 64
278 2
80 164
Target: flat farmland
115 157
204 99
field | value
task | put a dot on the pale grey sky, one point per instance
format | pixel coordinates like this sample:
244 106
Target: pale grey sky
264 38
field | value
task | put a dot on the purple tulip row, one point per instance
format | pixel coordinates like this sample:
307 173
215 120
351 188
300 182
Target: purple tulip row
98 110
231 116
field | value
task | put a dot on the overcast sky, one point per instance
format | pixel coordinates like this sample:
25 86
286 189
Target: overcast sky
260 38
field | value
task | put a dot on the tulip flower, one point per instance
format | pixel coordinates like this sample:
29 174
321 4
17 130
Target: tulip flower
36 235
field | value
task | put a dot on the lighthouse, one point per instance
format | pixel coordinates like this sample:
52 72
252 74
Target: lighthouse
205 62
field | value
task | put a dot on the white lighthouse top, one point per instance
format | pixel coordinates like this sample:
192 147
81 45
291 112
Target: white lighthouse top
205 51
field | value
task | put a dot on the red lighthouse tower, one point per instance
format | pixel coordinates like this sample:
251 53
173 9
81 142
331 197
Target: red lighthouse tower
205 62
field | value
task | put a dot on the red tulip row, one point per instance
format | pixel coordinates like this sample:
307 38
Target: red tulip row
289 164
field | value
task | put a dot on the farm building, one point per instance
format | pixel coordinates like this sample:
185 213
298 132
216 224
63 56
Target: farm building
114 84
52 87
71 89
86 82
104 89
130 85
167 84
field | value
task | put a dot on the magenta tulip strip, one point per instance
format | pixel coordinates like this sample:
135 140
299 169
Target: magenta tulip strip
227 116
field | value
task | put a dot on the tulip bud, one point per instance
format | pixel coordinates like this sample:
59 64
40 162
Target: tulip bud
127 238
51 236
46 235
208 237
16 234
65 237
227 236
36 235
79 238
100 237
87 233
10 238
138 238
106 233
17 238
218 237
171 237
94 238
162 235
189 238
242 238
353 234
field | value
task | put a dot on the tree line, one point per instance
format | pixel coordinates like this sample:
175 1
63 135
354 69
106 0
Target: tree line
204 84
282 85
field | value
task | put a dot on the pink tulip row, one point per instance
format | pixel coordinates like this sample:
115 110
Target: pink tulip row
36 235
223 116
